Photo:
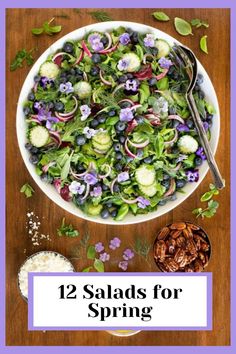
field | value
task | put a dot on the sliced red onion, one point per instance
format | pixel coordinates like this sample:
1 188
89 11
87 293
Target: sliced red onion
57 184
35 120
129 201
139 145
79 175
171 190
147 56
79 59
57 59
112 185
131 125
155 122
46 167
63 119
35 86
109 42
126 100
108 171
86 192
172 141
176 117
128 150
106 51
136 106
85 48
118 88
56 137
161 75
69 114
106 82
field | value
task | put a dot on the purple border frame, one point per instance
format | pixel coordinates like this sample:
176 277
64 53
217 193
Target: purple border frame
120 4
208 327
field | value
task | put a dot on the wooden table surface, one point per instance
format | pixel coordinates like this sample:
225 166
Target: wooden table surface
18 243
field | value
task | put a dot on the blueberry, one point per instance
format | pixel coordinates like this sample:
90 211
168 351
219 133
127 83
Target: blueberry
112 113
116 188
96 58
122 139
162 202
119 156
120 126
104 41
134 37
50 105
79 201
209 123
59 107
125 104
94 71
148 159
152 81
105 213
189 123
116 147
80 168
154 51
209 116
64 74
113 213
166 183
34 159
175 150
130 76
79 72
28 146
101 118
68 47
104 187
174 123
139 119
198 161
173 197
37 78
46 178
31 96
26 110
118 167
94 123
172 110
80 140
200 79
166 176
109 205
139 152
34 150
122 79
180 183
201 95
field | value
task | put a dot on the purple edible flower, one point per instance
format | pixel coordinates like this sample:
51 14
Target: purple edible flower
66 88
37 105
90 178
123 176
45 115
85 111
123 64
76 188
126 115
164 63
50 122
143 203
114 243
149 40
95 41
123 265
139 152
206 126
89 132
128 254
99 247
96 192
200 152
192 176
183 128
45 81
104 257
131 85
181 157
125 38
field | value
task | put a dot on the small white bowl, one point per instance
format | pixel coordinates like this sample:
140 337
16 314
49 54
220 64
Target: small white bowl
21 125
123 332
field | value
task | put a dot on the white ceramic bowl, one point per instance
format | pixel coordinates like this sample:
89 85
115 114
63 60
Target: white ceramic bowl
49 190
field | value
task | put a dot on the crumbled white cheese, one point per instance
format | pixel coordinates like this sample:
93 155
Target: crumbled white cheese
33 225
42 262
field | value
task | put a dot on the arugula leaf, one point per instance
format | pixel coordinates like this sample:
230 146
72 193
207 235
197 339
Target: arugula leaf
66 168
47 28
67 230
27 190
21 56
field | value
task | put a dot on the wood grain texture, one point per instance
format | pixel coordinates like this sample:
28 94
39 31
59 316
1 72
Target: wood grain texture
19 24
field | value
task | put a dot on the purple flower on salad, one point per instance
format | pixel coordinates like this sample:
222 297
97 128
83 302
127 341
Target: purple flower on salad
125 38
76 188
123 64
123 265
37 105
206 126
66 88
192 176
96 192
90 178
126 115
181 158
149 40
131 85
89 132
85 111
122 177
164 63
99 247
143 203
128 254
104 257
45 81
95 42
200 152
114 243
45 115
183 128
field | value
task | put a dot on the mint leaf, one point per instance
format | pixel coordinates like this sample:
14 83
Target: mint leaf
37 31
46 28
98 265
86 270
160 16
91 252
27 190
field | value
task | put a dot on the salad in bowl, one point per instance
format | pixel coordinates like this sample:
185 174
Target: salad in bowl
108 126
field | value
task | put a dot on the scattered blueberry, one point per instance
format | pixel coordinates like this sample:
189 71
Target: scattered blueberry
112 113
34 159
96 58
31 96
148 159
104 187
198 161
139 119
200 79
109 205
175 150
118 166
166 176
68 48
162 202
113 213
80 168
130 76
120 126
189 123
80 140
152 81
173 197
166 183
37 78
101 118
116 188
59 107
201 94
26 110
119 156
172 110
116 147
180 183
94 123
122 79
122 139
174 123
134 37
79 201
104 41
105 213
154 51
28 146
46 178
125 104
94 71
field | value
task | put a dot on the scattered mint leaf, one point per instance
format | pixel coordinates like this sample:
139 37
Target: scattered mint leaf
21 56
98 265
47 28
182 27
91 252
196 22
160 16
86 270
67 230
212 205
27 190
100 16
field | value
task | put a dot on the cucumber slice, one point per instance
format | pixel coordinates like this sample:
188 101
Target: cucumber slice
163 48
50 70
145 175
101 147
83 89
133 60
102 138
38 136
149 191
93 210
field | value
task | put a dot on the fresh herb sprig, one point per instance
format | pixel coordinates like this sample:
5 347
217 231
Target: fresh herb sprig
100 16
27 190
212 205
22 56
67 230
196 22
47 28
142 248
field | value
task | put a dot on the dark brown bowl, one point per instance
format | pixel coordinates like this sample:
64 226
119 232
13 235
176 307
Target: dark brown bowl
182 246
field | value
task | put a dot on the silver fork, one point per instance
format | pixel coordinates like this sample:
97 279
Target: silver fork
185 55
